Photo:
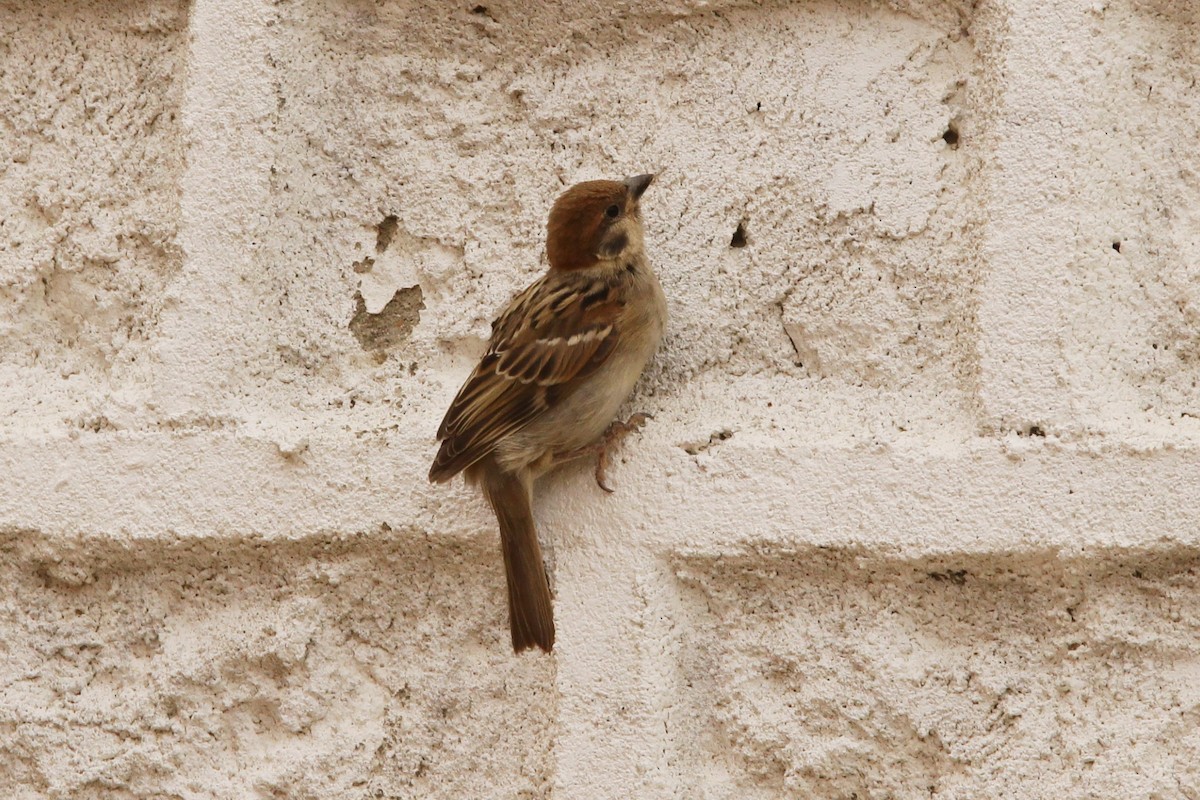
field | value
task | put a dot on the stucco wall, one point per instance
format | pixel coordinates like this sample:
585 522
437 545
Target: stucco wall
917 513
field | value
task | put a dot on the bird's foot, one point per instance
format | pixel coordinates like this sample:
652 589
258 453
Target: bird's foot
601 447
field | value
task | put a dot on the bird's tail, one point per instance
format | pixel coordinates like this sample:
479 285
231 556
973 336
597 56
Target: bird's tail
530 612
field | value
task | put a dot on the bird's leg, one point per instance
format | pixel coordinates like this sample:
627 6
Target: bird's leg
600 448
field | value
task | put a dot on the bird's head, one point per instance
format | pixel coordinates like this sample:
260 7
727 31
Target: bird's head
596 221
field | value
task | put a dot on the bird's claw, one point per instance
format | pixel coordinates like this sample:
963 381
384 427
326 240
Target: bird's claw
600 477
615 433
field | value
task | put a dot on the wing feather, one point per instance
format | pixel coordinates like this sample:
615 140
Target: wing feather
561 328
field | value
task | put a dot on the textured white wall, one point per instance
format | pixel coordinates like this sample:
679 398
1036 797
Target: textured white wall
917 515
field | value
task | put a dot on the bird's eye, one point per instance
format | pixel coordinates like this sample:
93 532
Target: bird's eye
613 211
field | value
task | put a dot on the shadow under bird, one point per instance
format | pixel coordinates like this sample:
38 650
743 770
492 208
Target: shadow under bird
564 355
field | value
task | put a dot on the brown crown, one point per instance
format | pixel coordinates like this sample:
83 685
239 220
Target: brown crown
577 221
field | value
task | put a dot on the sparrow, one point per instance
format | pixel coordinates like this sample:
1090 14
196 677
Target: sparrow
563 356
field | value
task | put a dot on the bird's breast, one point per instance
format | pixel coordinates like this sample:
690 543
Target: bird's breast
581 417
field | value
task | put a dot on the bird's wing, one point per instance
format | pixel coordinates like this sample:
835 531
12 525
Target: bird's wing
559 330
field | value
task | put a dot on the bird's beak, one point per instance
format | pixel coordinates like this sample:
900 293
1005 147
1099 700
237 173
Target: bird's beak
637 184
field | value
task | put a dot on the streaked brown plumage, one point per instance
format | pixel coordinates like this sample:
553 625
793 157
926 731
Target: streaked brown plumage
564 355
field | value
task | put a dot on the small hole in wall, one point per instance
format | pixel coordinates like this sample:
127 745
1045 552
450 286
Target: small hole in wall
1117 246
739 236
386 232
695 448
386 332
950 136
483 11
958 577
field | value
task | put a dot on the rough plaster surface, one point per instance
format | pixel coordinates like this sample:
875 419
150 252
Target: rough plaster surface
90 160
227 668
836 673
917 513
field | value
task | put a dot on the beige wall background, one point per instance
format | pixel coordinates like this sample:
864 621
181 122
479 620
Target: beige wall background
917 513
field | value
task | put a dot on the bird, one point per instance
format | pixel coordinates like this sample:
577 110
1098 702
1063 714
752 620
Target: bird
563 356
